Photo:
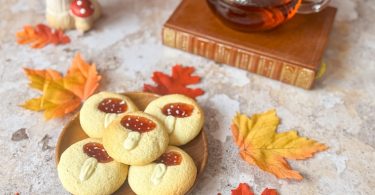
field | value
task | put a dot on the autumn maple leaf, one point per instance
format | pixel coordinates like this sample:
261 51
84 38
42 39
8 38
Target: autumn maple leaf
260 145
268 191
175 84
62 95
242 189
245 189
40 36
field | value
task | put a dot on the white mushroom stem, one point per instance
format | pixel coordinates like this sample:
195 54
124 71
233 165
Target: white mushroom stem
131 141
83 24
87 169
158 173
109 118
170 123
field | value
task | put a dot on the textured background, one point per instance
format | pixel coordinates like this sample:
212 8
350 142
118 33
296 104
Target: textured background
126 47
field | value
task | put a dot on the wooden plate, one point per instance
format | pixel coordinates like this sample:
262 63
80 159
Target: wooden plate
73 133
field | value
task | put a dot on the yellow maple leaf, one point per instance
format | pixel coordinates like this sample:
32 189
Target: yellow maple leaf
62 95
260 145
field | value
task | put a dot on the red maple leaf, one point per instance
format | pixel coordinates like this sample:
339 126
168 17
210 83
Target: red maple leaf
242 189
269 192
245 189
175 84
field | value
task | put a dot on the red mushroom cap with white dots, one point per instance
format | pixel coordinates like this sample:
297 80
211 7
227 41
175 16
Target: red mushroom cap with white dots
82 8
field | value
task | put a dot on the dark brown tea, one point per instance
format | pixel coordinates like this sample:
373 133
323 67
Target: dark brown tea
254 15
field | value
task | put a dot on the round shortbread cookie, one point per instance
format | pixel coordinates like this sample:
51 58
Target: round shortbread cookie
135 138
86 168
173 173
181 115
101 109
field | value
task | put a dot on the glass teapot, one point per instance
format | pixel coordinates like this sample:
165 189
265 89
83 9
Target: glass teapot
259 15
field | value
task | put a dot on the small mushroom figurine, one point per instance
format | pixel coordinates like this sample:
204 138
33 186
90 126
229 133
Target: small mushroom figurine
81 15
58 14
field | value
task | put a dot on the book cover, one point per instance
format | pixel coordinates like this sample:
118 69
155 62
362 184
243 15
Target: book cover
291 53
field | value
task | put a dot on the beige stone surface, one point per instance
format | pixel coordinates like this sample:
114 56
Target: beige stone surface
126 46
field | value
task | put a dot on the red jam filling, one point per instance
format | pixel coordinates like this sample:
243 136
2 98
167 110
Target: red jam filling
137 123
179 110
170 158
113 105
97 151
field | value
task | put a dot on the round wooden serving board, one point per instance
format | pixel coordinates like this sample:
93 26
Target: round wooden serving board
73 133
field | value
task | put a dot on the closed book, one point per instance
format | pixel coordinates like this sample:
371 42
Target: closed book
292 53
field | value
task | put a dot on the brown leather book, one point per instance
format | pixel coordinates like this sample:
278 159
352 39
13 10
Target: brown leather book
291 53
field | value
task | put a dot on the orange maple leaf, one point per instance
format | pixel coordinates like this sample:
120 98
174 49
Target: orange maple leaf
260 145
40 36
62 95
175 84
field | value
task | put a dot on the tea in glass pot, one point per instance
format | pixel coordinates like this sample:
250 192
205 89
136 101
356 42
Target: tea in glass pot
259 15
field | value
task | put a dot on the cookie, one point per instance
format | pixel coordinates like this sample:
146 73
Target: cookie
173 173
86 168
101 109
182 116
135 138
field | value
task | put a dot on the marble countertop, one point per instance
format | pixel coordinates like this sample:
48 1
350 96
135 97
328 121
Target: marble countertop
126 47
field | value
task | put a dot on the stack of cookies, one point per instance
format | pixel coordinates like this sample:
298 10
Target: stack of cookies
127 143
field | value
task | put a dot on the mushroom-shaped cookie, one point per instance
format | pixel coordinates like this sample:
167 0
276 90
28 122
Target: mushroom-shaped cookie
135 139
83 14
86 168
182 116
173 173
101 109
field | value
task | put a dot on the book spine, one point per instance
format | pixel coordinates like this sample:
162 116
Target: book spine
266 66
